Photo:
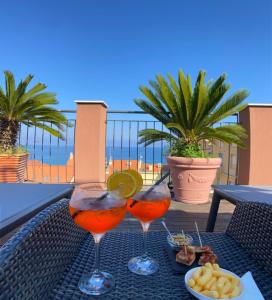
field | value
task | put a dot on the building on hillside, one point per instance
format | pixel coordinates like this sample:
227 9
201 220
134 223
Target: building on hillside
46 173
228 153
150 173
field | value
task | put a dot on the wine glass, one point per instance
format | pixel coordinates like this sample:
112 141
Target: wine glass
97 212
146 207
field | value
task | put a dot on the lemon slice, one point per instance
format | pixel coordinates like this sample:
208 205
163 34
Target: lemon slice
138 178
123 182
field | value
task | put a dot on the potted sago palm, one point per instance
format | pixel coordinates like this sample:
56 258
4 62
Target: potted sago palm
191 114
22 105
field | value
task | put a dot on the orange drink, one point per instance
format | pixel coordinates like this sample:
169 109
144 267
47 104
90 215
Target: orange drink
146 207
97 212
98 220
147 211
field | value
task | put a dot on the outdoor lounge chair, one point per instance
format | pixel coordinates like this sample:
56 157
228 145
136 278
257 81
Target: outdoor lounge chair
46 258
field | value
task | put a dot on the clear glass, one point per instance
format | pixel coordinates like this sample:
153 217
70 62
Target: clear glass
96 211
146 207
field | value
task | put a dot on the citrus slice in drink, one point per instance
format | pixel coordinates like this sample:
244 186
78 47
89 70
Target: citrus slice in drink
122 182
138 178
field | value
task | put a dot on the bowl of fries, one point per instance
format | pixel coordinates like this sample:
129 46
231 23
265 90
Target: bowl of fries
212 282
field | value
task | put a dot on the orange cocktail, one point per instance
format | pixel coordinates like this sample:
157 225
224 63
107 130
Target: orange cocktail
146 207
147 211
98 220
97 212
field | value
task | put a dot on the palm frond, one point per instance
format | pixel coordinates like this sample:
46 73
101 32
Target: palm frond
181 109
186 95
191 114
152 98
150 136
10 84
177 127
199 99
55 132
224 136
168 96
32 107
228 108
37 88
152 110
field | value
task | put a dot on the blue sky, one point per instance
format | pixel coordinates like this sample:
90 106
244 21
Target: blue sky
86 49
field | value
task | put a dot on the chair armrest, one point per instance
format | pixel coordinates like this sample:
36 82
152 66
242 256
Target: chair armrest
33 260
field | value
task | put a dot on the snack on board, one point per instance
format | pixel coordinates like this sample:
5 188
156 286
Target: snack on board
186 255
207 256
199 249
209 280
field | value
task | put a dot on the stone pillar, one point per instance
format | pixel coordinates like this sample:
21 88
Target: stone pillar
90 142
255 162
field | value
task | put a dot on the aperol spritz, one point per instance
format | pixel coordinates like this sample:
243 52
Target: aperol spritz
97 212
146 207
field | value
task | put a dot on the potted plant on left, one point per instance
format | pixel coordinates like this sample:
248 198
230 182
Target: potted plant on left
32 107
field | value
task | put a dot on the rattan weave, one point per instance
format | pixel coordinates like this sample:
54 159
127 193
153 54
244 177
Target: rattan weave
251 227
118 248
34 259
46 259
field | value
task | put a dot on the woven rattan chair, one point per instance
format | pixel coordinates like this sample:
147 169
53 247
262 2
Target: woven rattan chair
35 257
45 259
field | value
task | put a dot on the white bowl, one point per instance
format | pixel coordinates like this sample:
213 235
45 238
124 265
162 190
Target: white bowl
199 296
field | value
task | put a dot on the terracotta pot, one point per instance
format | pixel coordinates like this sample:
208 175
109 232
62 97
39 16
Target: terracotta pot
193 177
13 167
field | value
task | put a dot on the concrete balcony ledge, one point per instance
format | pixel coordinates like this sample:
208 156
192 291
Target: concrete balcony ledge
92 102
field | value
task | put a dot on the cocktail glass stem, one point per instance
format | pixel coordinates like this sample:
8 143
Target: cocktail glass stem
97 239
145 227
97 258
97 282
143 265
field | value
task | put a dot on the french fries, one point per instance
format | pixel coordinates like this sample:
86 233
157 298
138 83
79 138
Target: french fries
210 281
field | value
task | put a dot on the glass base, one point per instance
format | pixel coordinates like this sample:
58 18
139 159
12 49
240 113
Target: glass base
143 265
97 284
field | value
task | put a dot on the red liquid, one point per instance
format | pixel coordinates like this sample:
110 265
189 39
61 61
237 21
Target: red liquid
99 221
147 211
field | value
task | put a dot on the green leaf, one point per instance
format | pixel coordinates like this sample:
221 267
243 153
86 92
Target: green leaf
229 107
150 136
32 107
186 96
191 114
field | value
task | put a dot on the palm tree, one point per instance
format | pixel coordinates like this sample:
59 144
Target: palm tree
191 114
32 107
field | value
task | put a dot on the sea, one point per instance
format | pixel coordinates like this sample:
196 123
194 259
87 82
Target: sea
60 154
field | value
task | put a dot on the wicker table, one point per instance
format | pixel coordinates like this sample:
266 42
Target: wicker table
118 248
234 193
20 201
47 257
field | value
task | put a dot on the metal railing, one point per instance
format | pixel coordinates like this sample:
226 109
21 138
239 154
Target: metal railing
123 150
51 160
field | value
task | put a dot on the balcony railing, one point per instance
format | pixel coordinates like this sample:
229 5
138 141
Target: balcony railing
123 150
51 160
